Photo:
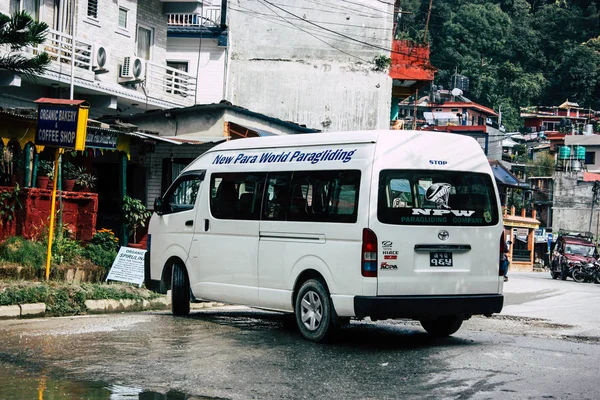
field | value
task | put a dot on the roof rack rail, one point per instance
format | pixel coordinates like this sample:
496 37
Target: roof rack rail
579 234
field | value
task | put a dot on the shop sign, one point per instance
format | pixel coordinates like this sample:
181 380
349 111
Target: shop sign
101 139
61 126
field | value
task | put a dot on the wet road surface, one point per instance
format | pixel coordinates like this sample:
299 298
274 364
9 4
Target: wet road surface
240 353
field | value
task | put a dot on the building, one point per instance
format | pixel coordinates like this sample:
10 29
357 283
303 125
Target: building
450 111
567 117
120 60
197 38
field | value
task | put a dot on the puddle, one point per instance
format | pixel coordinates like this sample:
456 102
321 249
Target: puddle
16 383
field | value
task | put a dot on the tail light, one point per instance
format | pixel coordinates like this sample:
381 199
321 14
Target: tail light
503 251
369 254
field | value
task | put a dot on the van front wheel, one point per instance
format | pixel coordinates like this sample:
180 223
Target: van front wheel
180 291
442 326
313 311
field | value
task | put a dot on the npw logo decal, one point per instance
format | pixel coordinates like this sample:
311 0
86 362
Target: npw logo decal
438 162
439 212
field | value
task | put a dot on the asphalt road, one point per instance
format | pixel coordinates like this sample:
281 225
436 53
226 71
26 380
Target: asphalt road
543 345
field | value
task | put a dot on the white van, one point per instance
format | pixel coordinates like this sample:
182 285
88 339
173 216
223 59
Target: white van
333 226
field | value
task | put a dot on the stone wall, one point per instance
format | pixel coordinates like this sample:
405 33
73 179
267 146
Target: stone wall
572 203
32 218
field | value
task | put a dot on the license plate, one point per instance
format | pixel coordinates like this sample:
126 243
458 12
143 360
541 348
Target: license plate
440 259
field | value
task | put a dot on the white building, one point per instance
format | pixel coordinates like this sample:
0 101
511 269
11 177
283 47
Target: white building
120 60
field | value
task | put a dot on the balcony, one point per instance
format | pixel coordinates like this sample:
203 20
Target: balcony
168 87
210 17
170 84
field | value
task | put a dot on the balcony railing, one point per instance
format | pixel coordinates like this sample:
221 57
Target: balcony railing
209 17
174 84
59 47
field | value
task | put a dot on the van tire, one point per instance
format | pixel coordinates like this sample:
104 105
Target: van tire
180 291
314 311
442 326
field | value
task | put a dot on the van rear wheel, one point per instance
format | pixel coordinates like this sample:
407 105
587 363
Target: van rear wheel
180 291
313 311
442 326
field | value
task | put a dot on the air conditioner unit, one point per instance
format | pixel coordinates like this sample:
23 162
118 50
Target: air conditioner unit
99 58
133 68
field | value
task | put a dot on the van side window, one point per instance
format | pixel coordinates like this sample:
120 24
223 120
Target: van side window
236 195
324 196
277 200
182 196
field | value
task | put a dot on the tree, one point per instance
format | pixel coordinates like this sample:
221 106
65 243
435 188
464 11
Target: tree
18 32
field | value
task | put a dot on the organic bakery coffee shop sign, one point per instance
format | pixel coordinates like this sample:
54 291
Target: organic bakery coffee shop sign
61 124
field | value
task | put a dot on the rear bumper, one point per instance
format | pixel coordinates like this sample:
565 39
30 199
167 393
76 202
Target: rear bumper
420 307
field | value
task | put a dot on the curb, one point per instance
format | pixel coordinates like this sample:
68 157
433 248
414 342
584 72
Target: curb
100 307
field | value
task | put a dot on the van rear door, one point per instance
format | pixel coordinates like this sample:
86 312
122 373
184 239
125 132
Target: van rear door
438 232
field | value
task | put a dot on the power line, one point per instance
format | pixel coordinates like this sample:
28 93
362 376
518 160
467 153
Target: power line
344 35
271 19
328 44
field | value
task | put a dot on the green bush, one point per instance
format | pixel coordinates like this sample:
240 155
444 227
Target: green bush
25 252
64 250
69 299
100 256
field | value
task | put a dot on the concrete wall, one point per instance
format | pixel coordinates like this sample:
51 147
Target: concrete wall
278 67
572 203
210 67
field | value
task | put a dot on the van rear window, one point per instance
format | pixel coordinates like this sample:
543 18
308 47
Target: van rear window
425 197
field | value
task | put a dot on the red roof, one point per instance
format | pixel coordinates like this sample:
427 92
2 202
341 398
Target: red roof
64 102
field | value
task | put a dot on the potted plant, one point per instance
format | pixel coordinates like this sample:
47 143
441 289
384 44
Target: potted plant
68 176
84 180
135 215
45 171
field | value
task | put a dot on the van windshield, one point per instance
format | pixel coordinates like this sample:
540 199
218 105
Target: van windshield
425 197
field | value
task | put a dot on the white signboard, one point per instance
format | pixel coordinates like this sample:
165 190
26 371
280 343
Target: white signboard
128 266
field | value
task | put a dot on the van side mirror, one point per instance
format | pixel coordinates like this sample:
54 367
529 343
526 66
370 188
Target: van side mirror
158 206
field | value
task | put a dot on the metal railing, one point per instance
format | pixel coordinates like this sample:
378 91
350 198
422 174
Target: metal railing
177 85
59 47
209 17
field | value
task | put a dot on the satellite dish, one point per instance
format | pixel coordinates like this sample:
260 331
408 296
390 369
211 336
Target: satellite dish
456 92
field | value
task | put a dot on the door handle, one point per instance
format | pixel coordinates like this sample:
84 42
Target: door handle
206 225
189 223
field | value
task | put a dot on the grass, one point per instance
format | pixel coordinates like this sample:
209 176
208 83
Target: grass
67 298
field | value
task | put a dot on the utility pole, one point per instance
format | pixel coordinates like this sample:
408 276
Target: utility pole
594 199
427 22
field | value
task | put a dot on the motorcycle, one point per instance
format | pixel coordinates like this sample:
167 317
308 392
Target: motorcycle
586 272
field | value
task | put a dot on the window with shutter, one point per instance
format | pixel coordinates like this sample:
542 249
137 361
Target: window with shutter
92 9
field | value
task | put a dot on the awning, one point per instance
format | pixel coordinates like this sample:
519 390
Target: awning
504 177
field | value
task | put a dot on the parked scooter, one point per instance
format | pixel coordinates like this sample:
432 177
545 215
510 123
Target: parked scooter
586 272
